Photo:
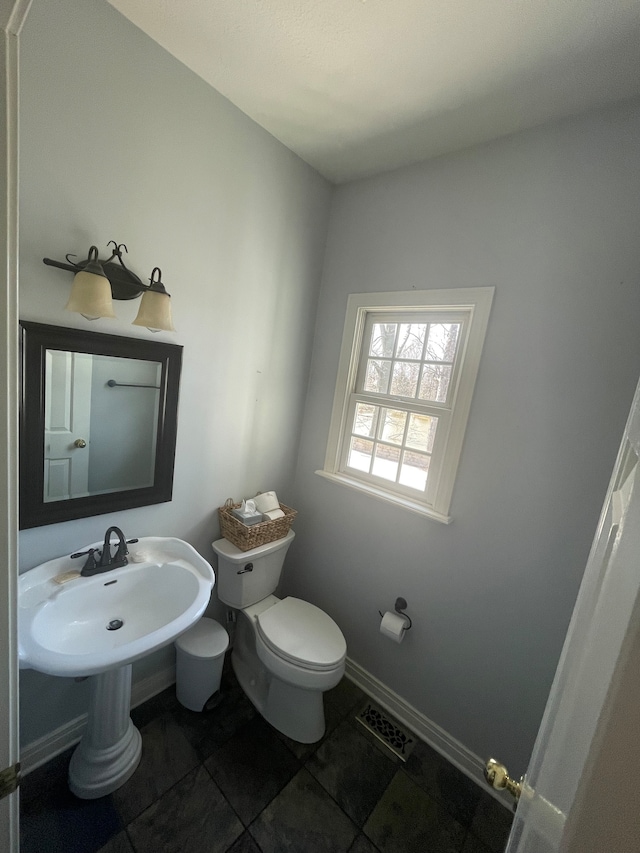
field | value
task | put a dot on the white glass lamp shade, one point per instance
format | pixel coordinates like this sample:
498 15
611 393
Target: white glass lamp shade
90 296
155 312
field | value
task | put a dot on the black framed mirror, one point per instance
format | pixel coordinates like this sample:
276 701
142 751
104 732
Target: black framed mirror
98 423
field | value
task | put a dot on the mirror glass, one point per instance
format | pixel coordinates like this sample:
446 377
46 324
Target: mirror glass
98 423
82 393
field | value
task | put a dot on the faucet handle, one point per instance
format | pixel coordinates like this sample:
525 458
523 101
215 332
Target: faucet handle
91 567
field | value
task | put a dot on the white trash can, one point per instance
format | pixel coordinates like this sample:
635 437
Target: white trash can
199 660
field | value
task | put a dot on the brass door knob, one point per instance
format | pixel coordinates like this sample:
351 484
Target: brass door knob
498 777
79 442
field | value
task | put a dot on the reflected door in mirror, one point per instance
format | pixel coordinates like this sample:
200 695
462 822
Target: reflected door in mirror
101 417
67 418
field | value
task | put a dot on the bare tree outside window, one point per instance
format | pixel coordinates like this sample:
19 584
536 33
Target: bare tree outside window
420 363
405 361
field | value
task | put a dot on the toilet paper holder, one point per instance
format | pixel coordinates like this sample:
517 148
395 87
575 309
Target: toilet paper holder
400 606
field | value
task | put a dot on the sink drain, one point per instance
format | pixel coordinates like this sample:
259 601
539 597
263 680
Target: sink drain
115 624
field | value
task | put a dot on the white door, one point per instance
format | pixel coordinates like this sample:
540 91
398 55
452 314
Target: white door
581 792
67 416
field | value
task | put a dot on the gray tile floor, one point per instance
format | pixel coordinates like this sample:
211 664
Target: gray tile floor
225 782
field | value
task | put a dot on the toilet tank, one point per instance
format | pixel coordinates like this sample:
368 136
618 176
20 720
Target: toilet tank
246 577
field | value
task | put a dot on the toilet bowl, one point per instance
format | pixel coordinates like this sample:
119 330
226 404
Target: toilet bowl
286 652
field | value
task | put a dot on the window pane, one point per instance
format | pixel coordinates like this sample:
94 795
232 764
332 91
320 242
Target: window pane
414 470
411 340
393 426
405 379
383 336
434 384
422 432
377 379
442 342
360 454
385 462
364 422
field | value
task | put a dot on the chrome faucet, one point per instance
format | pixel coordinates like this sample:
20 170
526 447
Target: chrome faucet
104 561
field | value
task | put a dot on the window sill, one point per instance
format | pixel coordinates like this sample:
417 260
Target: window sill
380 494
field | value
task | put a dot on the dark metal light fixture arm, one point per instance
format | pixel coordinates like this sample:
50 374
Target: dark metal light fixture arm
117 253
125 284
71 267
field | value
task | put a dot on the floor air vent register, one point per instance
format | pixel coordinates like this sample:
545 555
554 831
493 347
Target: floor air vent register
386 730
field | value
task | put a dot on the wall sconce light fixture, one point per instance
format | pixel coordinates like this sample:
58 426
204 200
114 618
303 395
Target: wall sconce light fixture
96 283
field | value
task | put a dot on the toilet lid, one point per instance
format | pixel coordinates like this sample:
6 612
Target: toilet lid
302 633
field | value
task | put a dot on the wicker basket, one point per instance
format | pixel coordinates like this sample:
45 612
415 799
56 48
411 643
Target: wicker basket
244 536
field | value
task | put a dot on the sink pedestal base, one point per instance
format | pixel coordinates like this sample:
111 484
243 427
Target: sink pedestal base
111 746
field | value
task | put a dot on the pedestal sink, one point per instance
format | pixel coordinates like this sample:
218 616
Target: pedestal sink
98 626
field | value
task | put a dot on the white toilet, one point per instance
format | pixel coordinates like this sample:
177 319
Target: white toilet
286 652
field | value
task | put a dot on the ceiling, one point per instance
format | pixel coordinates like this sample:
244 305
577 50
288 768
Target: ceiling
357 87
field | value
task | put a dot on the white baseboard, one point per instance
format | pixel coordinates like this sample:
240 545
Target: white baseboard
436 737
47 747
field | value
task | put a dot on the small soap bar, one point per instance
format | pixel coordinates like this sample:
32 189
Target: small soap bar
140 557
66 576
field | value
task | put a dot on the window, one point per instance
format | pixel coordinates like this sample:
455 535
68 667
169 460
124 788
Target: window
407 369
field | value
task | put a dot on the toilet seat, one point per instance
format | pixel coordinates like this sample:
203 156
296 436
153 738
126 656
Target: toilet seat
302 634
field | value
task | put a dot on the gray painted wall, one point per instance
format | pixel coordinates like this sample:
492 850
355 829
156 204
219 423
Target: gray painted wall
549 217
119 141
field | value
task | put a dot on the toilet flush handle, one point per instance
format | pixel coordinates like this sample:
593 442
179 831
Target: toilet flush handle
248 568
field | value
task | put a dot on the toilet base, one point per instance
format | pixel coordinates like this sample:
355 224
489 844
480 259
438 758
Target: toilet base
296 712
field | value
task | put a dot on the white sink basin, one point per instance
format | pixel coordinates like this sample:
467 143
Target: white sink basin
64 629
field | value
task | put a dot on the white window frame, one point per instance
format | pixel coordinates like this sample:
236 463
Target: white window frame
471 306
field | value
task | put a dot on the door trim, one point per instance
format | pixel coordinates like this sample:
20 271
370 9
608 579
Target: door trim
12 18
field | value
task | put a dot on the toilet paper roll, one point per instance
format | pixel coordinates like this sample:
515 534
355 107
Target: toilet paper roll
266 502
394 625
273 514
